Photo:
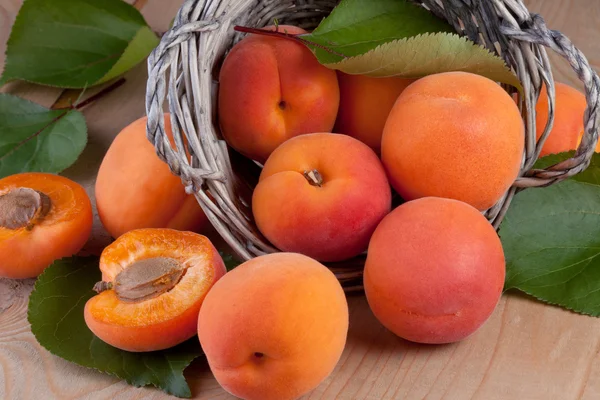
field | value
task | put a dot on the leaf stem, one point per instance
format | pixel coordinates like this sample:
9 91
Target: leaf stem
99 95
285 35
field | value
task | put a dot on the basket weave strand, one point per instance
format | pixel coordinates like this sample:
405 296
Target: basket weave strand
183 70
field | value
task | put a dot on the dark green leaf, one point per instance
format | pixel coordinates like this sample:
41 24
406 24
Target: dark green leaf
56 317
76 43
357 26
34 138
230 261
551 238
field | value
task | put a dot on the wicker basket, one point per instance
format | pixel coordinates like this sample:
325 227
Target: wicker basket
184 69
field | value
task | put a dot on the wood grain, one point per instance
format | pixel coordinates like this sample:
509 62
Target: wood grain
527 350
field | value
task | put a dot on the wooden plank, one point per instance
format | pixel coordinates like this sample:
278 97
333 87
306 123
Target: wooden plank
526 350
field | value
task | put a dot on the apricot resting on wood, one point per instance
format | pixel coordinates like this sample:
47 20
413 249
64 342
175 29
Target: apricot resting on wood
271 89
275 327
321 195
135 189
456 135
435 270
43 217
153 284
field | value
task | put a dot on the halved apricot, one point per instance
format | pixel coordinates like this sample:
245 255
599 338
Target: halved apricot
153 284
43 217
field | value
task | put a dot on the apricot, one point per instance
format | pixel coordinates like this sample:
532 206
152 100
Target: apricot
43 217
456 135
274 328
153 284
271 89
567 130
321 195
365 104
135 189
434 271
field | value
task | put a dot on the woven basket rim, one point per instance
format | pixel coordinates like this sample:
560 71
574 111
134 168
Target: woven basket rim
182 71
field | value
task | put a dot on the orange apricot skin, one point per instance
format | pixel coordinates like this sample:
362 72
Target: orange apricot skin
329 223
271 89
435 271
286 307
135 189
365 104
456 135
61 233
567 129
166 320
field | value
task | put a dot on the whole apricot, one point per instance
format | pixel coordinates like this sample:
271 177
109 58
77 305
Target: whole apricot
456 135
434 271
567 129
271 89
365 104
135 189
153 284
274 327
322 195
43 217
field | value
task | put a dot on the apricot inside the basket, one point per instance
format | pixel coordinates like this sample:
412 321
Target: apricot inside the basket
43 217
153 284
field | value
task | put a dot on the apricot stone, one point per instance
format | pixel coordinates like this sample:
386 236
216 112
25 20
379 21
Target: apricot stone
274 327
456 135
271 89
435 270
321 195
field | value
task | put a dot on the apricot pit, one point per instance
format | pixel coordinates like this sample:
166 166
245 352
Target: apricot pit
21 207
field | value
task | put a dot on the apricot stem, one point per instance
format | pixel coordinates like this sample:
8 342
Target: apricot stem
314 177
22 208
285 35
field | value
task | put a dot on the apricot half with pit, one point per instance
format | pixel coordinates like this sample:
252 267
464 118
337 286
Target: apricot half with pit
43 217
153 284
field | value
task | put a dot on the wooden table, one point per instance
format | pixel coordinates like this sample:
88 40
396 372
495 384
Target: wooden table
527 350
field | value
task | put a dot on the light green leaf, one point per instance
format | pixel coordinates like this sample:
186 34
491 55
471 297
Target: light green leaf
34 138
76 43
551 239
56 317
428 54
357 26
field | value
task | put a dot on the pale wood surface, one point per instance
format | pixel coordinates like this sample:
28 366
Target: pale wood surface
525 351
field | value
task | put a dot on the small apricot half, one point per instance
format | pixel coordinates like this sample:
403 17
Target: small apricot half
43 217
153 284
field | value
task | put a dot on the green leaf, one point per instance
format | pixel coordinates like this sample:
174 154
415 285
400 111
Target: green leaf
551 239
56 317
35 138
357 26
230 261
428 54
76 43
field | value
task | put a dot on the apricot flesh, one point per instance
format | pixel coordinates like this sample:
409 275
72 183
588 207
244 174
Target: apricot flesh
135 189
435 270
456 135
163 321
365 104
274 327
272 89
54 220
321 195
